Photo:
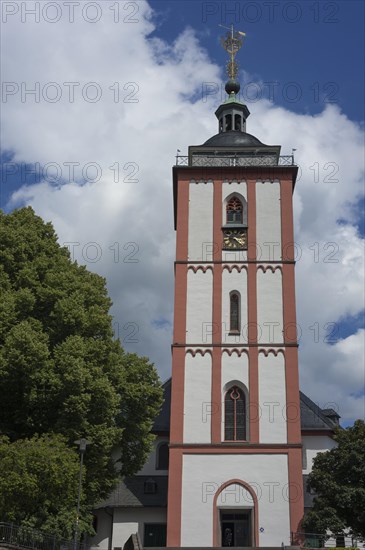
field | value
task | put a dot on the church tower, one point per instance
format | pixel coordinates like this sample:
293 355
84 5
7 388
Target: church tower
235 475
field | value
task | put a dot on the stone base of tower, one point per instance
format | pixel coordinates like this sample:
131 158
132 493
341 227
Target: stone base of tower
221 548
235 498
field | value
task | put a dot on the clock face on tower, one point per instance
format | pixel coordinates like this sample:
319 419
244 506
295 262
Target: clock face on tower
235 239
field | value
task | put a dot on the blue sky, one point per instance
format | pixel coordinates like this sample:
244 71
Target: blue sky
318 45
305 54
302 76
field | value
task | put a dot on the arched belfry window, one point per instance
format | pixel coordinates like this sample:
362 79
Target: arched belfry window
234 312
235 230
235 414
234 210
228 123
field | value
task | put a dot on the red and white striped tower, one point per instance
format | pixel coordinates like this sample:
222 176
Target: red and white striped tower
235 475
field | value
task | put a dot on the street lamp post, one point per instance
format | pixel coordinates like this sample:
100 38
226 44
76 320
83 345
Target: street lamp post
82 443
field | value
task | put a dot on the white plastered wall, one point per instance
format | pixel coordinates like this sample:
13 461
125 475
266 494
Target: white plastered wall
270 306
104 528
200 229
268 220
204 474
228 188
234 281
199 307
272 398
312 445
233 256
234 369
128 521
197 398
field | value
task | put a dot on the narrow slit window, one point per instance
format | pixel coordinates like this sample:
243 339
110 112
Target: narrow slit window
234 325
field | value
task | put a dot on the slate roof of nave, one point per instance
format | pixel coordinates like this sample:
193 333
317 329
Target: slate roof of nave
130 493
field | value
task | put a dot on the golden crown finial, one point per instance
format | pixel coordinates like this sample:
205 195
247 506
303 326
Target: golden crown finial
232 43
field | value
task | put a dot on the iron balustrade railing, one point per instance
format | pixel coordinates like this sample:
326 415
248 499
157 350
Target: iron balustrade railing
26 537
325 540
235 160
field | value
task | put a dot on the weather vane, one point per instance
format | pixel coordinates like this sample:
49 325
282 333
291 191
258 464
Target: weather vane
232 43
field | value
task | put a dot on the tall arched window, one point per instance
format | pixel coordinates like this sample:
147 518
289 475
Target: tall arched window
162 457
235 415
234 312
234 211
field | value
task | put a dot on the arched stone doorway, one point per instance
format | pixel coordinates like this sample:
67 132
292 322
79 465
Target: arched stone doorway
235 515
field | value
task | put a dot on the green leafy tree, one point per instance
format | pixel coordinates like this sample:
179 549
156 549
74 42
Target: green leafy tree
37 483
61 371
338 478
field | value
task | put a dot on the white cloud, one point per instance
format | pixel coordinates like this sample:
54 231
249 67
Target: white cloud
148 133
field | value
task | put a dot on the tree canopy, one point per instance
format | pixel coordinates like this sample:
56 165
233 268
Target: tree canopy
37 483
338 478
61 370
